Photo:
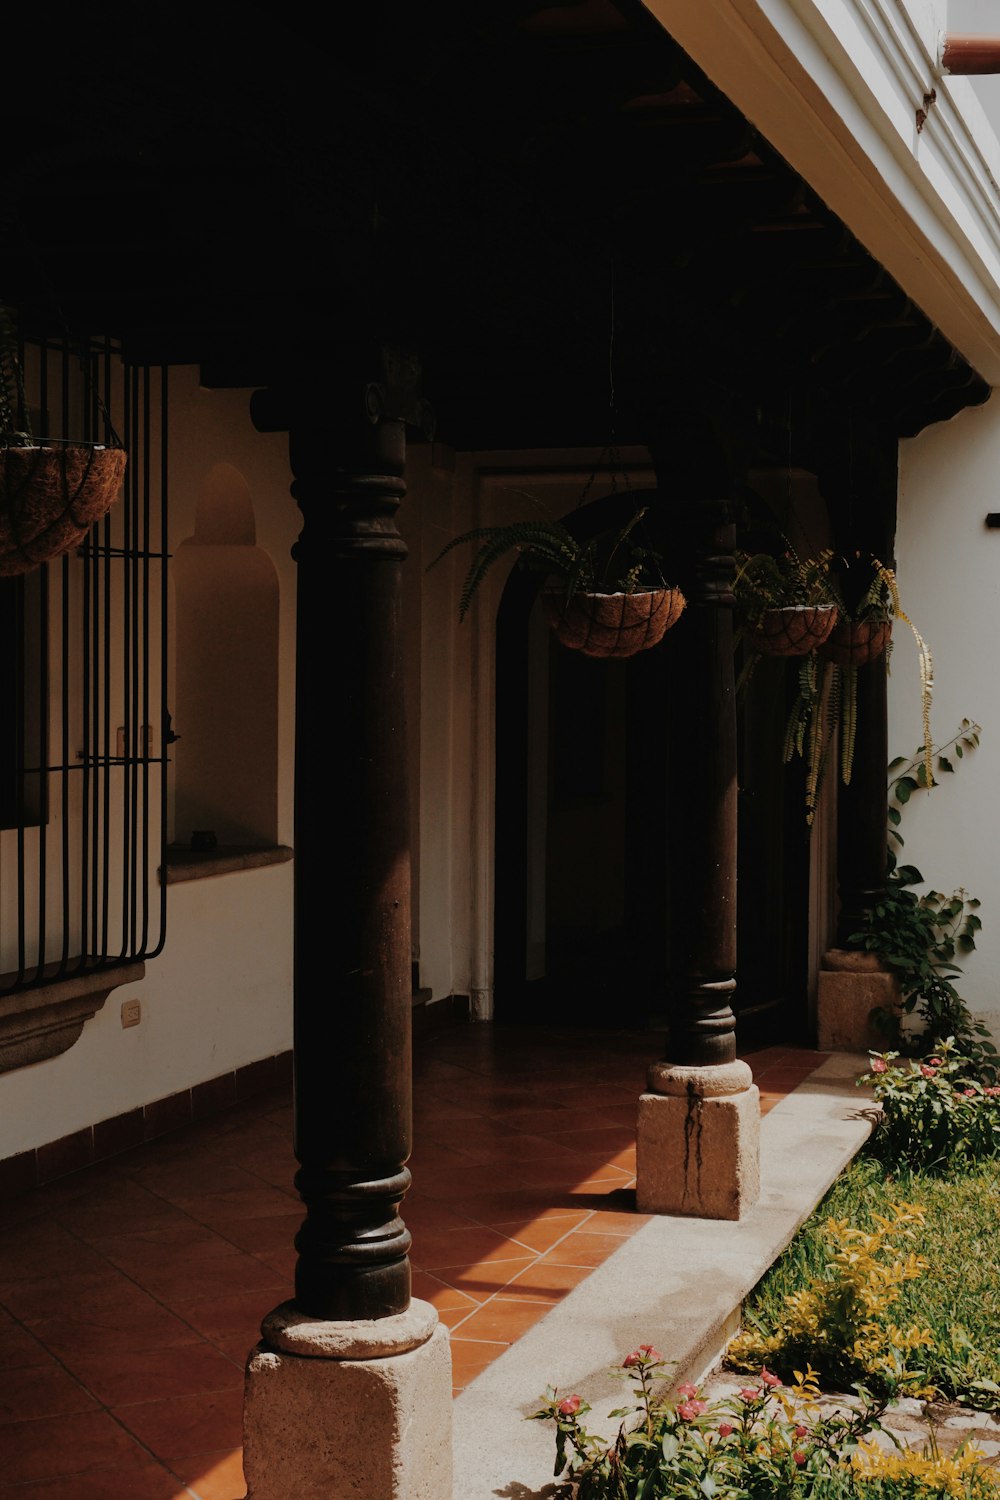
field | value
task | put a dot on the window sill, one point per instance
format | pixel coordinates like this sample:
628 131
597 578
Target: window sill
40 1022
194 864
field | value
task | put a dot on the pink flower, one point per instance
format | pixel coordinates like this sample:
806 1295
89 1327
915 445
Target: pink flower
570 1406
688 1410
993 1091
879 1065
635 1358
799 1457
687 1389
801 1431
749 1393
927 1071
725 1428
969 1093
935 1062
767 1377
650 1352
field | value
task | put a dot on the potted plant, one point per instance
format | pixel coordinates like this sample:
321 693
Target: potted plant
828 681
604 596
51 491
787 604
863 633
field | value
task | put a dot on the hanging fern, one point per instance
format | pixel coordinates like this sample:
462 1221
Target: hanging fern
624 566
846 678
827 698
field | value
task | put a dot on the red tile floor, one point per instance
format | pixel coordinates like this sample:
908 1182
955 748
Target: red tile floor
131 1292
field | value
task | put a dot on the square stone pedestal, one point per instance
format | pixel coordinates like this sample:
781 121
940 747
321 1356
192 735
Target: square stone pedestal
349 1411
698 1142
850 986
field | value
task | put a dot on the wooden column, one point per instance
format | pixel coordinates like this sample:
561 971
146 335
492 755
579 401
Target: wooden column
698 1123
352 1057
859 483
696 486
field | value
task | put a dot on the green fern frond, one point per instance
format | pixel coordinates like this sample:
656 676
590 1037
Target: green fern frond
848 721
550 545
534 541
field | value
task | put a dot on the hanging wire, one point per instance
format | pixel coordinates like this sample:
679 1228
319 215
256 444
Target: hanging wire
79 347
610 449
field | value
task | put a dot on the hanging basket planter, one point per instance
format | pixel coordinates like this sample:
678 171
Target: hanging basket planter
612 625
855 643
794 630
50 497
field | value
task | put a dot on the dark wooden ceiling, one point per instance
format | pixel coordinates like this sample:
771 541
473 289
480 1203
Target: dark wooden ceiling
497 185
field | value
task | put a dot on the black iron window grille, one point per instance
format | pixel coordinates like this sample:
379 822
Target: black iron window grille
83 681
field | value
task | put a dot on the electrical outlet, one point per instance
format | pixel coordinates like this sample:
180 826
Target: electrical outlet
145 741
131 1012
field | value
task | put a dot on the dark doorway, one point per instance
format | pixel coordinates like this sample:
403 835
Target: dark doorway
591 833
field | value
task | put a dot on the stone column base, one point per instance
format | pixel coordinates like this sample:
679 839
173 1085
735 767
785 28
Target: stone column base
698 1142
851 985
349 1411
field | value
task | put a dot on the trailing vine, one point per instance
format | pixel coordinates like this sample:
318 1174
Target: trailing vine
828 690
827 696
918 938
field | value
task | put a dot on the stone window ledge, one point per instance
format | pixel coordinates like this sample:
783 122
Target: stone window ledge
42 1021
195 864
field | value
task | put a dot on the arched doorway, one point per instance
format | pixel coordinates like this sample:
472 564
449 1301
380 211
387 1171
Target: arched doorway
580 815
592 830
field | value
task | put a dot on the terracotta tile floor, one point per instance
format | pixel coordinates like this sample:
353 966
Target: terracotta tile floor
130 1293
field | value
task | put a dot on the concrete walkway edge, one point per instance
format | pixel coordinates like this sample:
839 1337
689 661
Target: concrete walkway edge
678 1283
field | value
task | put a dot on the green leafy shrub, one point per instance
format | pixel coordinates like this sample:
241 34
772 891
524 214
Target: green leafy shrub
935 1117
957 1297
919 938
765 1443
841 1323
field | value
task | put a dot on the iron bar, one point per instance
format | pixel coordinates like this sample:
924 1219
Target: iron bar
90 654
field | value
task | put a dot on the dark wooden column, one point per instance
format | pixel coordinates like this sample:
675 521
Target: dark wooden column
695 487
352 1055
859 482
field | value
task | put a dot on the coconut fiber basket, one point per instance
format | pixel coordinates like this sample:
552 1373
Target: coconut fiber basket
794 631
612 625
50 498
856 643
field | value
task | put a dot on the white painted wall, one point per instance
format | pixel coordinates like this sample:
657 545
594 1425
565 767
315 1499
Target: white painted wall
949 575
454 872
220 994
979 18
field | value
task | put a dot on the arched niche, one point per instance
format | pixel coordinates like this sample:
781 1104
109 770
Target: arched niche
226 695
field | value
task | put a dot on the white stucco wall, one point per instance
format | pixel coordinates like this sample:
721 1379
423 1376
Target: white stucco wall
949 574
454 871
219 996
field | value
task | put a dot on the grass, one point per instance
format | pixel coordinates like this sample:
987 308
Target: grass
957 1297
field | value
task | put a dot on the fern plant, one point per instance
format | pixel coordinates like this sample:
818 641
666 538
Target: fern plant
619 565
787 581
827 698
